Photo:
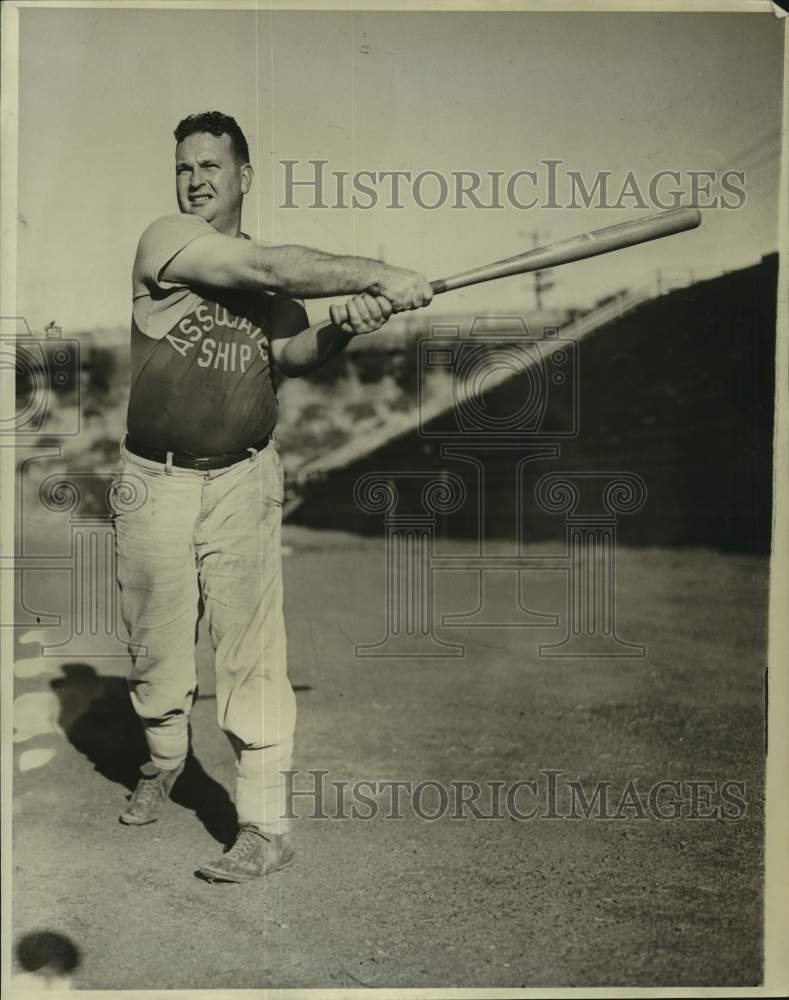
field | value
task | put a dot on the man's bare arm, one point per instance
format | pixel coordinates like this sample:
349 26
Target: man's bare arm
219 261
309 349
297 351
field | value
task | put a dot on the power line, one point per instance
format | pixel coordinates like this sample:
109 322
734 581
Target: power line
765 159
736 161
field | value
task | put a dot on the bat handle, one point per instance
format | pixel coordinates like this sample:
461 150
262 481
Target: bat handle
438 286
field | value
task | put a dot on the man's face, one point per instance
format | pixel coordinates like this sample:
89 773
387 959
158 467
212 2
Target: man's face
209 180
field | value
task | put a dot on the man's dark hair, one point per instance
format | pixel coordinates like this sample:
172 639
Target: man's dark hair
215 123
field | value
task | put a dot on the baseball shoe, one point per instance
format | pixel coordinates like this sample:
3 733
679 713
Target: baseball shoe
253 854
152 791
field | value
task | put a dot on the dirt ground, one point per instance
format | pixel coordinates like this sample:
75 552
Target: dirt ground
414 902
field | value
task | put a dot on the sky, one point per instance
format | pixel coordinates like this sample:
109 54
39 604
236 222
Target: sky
102 89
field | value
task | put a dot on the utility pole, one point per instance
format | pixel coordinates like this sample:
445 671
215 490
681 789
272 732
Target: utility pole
542 280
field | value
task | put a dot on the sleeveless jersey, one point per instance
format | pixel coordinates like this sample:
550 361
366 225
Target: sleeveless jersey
202 378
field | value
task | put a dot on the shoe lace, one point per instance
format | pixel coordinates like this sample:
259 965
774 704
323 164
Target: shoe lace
246 843
146 791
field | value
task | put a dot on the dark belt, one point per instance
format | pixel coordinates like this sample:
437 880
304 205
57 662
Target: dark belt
183 460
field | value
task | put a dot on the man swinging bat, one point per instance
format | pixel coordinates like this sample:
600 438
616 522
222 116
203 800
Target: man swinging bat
213 314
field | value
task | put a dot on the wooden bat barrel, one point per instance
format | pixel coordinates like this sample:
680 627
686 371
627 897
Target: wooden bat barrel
599 241
591 244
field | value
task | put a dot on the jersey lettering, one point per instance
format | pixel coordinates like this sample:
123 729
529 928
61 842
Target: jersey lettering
205 317
226 356
218 318
182 346
223 318
207 350
189 329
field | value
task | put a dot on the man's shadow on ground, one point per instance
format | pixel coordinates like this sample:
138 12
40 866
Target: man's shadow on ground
99 721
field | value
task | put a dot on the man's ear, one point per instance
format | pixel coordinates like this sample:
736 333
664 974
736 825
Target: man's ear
246 178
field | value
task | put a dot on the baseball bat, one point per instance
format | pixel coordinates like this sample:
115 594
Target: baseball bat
592 244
